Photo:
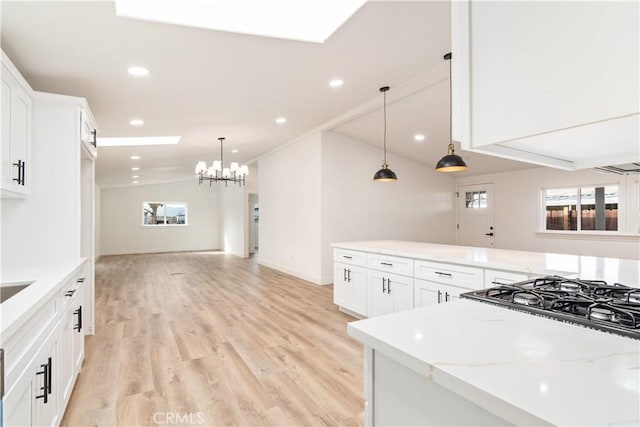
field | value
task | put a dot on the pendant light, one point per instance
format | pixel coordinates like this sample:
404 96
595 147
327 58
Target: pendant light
218 173
385 174
451 162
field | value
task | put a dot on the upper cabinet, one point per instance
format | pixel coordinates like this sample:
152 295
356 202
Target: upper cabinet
551 83
15 165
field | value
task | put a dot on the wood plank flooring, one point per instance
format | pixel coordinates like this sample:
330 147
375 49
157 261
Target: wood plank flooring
204 338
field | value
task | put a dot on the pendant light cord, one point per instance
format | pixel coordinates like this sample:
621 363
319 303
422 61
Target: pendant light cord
450 105
385 127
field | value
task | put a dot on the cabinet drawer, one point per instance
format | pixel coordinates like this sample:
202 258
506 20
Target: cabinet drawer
450 274
350 257
498 277
391 264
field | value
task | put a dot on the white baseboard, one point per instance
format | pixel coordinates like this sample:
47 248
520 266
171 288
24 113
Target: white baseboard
313 279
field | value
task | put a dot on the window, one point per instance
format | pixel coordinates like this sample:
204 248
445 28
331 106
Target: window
164 213
476 200
588 208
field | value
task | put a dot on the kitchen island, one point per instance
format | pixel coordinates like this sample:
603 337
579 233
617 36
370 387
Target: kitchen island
470 363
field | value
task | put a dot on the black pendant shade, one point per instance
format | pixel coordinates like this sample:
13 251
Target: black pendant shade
385 174
451 162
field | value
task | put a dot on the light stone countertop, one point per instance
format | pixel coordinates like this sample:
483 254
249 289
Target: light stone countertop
516 365
18 308
625 271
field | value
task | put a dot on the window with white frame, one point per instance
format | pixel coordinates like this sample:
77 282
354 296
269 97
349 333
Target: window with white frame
164 213
582 208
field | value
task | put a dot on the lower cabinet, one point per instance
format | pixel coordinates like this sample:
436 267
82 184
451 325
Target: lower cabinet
429 293
43 367
33 399
388 293
350 287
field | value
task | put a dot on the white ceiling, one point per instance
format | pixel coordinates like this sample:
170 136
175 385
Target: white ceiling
206 84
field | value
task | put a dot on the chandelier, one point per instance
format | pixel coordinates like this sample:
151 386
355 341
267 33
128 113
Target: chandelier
217 173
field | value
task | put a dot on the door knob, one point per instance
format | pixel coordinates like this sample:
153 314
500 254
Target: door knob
488 234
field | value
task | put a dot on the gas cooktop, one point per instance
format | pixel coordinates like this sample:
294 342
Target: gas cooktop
592 303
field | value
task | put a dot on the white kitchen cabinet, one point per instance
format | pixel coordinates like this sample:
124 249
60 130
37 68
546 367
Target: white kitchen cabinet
15 167
450 274
388 293
533 82
350 287
499 277
71 340
430 293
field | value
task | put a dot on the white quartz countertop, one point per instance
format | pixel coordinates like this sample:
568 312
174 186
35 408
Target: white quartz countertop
516 365
625 271
18 308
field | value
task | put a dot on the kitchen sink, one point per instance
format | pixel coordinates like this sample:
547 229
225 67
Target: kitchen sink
7 290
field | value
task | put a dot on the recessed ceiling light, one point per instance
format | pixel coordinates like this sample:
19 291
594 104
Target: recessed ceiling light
136 122
135 157
135 169
135 140
138 71
310 21
281 120
135 176
235 150
418 137
336 83
134 182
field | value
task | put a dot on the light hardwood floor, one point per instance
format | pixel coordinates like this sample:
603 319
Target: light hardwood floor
212 339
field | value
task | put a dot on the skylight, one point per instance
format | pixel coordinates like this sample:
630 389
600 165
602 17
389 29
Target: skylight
137 140
310 21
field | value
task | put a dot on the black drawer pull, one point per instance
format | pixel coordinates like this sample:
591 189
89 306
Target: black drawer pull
446 296
439 296
81 280
388 264
70 293
78 326
388 286
443 274
347 256
348 275
384 289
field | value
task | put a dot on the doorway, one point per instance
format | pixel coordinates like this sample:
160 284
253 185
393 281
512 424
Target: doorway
254 219
475 214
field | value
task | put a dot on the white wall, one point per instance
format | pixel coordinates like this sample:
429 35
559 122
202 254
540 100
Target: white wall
320 190
44 229
234 214
290 220
417 207
518 213
122 231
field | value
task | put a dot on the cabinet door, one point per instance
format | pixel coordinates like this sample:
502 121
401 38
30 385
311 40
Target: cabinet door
379 301
400 289
18 403
77 341
65 362
340 289
426 293
46 413
357 283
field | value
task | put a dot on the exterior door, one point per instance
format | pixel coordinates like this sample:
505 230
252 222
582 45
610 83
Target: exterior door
475 212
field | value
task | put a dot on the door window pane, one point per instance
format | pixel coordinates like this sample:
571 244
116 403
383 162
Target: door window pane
476 199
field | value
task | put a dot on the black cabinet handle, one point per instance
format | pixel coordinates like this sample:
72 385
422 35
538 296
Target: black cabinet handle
78 326
439 296
388 264
443 274
347 256
344 276
70 293
384 289
498 283
24 172
488 234
348 275
21 168
388 286
81 280
46 383
446 296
